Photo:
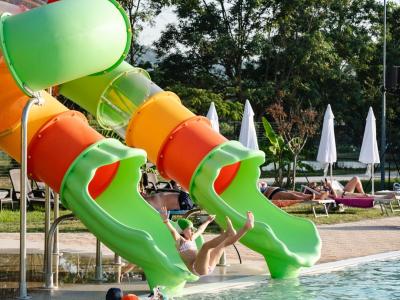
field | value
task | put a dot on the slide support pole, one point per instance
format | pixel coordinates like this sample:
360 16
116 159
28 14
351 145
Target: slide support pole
37 100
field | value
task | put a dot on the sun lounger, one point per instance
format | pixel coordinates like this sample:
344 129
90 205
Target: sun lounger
32 196
380 198
5 198
326 204
393 204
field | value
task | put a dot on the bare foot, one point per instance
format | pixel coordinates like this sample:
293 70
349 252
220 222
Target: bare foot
230 231
250 221
322 196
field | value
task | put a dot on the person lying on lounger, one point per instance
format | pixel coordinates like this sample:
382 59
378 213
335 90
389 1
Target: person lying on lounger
202 261
277 193
353 188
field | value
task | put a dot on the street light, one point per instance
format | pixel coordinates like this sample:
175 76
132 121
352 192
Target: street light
383 128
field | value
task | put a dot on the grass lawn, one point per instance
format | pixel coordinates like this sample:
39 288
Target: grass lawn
9 220
351 214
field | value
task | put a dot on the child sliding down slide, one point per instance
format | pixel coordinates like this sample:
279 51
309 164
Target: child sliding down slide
203 262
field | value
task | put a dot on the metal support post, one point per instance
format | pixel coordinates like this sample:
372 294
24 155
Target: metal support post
222 260
23 292
118 264
49 272
47 211
117 259
56 253
99 267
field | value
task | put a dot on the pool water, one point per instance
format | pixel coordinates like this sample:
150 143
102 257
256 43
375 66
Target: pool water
374 280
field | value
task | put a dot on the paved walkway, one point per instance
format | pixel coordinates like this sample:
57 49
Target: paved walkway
340 241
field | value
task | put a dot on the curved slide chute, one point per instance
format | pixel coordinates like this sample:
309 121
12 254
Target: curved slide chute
97 178
220 175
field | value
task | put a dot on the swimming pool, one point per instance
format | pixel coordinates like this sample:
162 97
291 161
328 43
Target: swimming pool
373 280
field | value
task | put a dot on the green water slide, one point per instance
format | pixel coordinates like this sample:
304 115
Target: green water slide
287 242
120 217
66 40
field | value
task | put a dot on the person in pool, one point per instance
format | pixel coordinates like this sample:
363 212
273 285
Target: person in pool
202 262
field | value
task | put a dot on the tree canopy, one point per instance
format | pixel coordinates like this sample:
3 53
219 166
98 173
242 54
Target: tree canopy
304 53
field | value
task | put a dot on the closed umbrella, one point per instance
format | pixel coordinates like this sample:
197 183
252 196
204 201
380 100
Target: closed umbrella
369 153
327 145
213 117
248 135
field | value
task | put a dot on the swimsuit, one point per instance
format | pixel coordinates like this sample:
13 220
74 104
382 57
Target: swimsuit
187 245
277 190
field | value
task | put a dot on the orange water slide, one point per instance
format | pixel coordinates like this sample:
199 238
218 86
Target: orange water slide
56 135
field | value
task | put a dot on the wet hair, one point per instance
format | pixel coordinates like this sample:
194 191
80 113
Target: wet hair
114 294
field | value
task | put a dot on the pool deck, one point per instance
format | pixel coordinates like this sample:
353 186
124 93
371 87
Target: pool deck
340 242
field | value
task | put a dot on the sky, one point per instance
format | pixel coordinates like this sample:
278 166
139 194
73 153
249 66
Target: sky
153 33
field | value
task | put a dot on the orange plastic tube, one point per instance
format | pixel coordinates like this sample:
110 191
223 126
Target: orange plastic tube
154 121
179 156
12 100
56 146
10 141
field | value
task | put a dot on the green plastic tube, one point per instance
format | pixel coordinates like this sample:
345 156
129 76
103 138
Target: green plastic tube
64 41
112 97
121 218
287 242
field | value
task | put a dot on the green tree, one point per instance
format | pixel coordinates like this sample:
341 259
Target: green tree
296 127
215 39
277 153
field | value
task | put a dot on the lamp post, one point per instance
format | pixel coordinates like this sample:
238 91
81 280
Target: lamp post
383 127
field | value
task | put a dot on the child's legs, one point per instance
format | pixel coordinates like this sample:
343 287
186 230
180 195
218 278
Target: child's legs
215 241
202 261
215 256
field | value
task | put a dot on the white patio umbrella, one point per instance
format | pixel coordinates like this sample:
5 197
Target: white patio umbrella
369 153
213 117
248 135
327 145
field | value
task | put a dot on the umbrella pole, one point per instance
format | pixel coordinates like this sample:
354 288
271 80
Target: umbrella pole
372 179
330 166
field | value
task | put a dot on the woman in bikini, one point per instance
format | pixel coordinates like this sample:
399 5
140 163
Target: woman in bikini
277 193
202 262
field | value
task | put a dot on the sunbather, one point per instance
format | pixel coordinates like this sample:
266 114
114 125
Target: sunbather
352 189
202 262
277 193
